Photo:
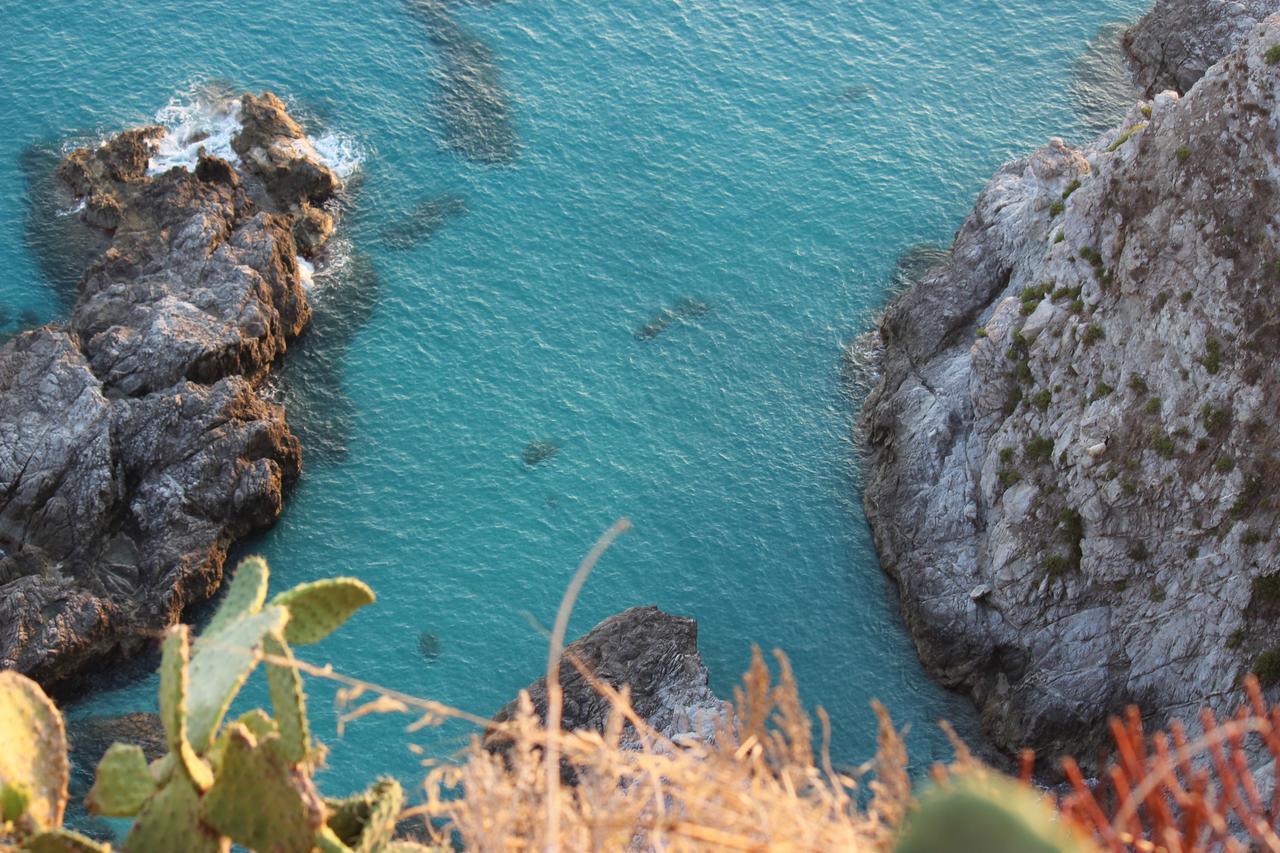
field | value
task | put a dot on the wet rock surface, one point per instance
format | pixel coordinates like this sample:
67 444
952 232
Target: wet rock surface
134 443
653 652
1071 450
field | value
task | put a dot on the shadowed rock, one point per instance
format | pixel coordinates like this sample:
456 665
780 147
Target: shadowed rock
653 652
473 104
1176 42
134 445
421 224
913 264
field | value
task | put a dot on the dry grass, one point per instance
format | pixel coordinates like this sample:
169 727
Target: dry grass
762 786
756 788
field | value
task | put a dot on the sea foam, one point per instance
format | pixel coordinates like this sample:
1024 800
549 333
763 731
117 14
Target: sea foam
203 120
190 125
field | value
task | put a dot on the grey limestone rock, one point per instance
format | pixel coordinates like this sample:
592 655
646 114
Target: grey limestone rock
1175 43
1077 413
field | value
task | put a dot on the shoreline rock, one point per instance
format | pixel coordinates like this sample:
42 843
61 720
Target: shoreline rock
134 443
1178 40
1071 459
653 652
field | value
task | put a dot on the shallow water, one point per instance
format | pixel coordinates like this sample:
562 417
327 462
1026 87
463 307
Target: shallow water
578 172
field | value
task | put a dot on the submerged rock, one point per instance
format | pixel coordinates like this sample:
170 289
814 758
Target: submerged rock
91 737
653 652
1072 444
134 445
537 452
424 221
474 107
321 412
429 645
1102 85
685 310
1176 42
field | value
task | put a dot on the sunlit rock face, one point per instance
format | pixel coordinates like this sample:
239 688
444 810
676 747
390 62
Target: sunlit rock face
1072 448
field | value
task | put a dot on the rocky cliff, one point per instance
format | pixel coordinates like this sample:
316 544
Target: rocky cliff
1073 454
1175 43
134 446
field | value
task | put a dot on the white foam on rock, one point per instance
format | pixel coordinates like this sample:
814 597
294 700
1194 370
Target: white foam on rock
200 120
192 125
339 152
306 273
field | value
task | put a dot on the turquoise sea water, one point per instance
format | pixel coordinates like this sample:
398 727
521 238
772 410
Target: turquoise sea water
769 160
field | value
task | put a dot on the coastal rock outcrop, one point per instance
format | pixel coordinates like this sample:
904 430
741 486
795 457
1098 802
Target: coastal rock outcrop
1072 453
134 443
1175 43
653 652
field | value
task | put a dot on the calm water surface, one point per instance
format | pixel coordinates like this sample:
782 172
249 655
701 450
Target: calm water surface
539 181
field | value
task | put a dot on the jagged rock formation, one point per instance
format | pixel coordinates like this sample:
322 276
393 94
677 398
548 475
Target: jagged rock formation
1175 43
653 652
1072 449
134 446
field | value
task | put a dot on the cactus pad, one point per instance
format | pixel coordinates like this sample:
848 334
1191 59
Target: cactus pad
63 841
988 813
174 686
219 668
33 750
14 799
287 700
365 822
170 821
259 800
245 595
174 657
317 609
122 783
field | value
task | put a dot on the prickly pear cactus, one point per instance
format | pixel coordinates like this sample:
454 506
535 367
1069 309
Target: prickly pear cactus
260 800
985 812
317 609
220 667
366 822
245 595
287 700
248 782
33 755
174 686
170 820
123 782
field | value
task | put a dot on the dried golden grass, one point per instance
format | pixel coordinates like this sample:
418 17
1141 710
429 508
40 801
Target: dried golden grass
760 785
755 788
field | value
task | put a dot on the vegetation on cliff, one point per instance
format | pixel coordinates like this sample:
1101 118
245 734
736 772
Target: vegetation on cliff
759 784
